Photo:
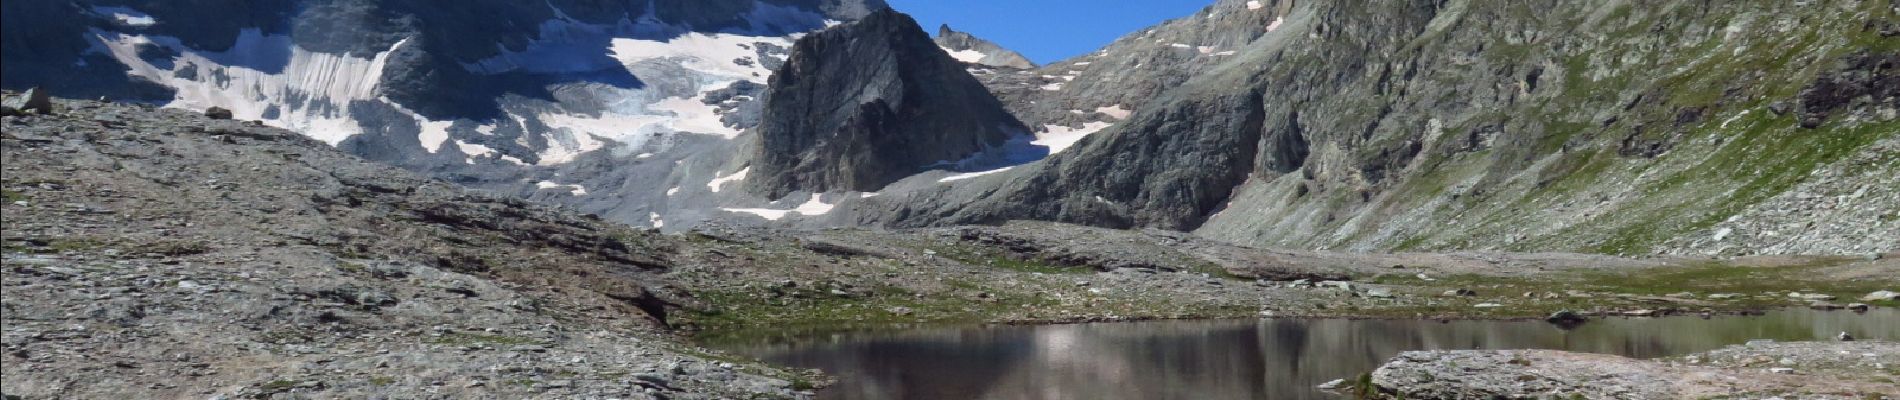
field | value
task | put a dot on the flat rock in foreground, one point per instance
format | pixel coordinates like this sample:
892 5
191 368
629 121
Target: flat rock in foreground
1845 370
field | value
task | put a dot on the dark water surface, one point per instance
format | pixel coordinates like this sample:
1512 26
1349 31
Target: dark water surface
1239 359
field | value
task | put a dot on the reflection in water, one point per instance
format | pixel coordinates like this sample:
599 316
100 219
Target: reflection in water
1265 359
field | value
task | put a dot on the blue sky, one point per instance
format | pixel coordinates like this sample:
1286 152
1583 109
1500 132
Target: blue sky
1047 30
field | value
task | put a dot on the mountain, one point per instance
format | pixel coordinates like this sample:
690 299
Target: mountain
1566 125
973 50
588 103
1615 127
860 106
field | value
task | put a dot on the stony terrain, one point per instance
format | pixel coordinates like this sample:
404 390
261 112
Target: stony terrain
1846 371
152 253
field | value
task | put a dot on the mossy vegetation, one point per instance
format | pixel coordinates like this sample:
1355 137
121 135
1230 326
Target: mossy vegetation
1574 156
473 339
741 315
1759 287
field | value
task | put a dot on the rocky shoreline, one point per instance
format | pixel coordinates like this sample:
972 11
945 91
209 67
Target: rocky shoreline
1757 370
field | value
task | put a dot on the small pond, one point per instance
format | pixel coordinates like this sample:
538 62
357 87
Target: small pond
1235 359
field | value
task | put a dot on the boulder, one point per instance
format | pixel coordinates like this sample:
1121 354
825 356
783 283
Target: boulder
1566 318
218 113
33 101
1884 295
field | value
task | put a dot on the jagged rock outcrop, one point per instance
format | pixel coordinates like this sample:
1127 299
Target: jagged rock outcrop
1465 124
859 106
971 49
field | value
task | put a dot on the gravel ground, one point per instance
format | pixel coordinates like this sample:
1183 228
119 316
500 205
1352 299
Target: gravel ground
1846 370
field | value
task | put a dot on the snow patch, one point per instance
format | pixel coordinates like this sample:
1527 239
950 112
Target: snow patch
1117 111
433 133
966 56
968 175
570 135
126 16
1276 24
694 115
1052 86
813 207
713 54
473 150
1255 5
654 219
1059 138
256 76
576 190
720 182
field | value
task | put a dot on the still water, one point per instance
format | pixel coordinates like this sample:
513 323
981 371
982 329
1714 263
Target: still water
1250 359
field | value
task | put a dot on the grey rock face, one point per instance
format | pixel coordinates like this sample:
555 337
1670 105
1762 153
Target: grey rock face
863 105
984 52
1463 124
1861 79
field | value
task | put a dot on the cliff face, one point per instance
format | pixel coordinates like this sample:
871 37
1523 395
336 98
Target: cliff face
1620 127
860 106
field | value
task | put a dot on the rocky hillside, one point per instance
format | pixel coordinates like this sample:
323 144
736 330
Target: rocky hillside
594 104
157 254
974 50
860 106
1613 127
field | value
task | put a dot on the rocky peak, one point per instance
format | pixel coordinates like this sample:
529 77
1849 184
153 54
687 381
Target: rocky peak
859 106
971 49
